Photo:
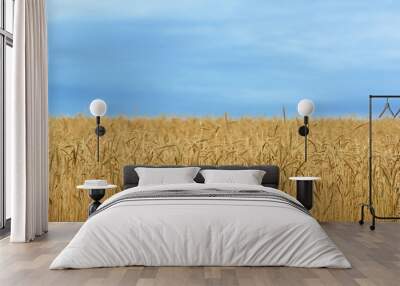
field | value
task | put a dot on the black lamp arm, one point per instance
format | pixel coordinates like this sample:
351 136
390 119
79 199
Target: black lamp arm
303 131
100 131
306 121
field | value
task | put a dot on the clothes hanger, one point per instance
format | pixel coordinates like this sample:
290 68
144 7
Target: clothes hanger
387 107
397 113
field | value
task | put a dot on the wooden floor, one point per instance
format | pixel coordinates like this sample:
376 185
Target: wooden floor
375 257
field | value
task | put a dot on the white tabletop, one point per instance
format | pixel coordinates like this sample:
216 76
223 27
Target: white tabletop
304 178
86 187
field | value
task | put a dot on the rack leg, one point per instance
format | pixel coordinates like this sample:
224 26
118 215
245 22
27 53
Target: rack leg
372 210
361 221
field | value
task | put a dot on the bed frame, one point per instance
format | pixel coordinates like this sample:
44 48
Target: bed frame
270 179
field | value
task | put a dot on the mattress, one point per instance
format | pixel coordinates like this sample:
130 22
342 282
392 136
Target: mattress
201 225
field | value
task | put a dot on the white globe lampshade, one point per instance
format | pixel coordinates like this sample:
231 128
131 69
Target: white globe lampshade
305 107
98 107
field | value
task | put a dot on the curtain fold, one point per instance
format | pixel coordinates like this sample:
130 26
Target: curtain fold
27 123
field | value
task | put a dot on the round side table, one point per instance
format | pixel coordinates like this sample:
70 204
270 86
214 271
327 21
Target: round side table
96 193
304 190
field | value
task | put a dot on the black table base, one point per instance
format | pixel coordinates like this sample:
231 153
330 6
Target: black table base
305 193
96 195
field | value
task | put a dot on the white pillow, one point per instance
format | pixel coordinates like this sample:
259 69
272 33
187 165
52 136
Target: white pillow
165 176
248 177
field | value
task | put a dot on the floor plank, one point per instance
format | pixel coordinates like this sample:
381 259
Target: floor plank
375 257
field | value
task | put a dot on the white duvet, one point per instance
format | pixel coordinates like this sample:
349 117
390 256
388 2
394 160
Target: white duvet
200 231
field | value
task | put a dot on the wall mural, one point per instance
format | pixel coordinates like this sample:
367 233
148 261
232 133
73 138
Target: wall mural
205 82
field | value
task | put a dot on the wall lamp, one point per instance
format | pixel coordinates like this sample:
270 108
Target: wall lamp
98 108
305 107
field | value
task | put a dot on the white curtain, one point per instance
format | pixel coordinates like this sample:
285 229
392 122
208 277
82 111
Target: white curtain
27 124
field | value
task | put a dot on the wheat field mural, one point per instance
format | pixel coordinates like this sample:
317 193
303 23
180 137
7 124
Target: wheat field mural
338 153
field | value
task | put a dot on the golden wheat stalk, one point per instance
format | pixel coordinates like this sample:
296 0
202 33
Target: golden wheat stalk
338 154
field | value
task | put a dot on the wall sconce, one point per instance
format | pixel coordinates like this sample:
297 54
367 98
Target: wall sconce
98 108
305 107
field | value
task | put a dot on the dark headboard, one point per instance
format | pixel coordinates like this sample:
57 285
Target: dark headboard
271 177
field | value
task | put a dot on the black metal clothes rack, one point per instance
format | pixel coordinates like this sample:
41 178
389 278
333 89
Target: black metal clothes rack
369 205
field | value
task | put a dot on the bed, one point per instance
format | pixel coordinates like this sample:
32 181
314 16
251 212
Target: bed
197 224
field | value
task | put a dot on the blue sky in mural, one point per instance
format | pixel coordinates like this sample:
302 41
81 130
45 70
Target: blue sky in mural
244 57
